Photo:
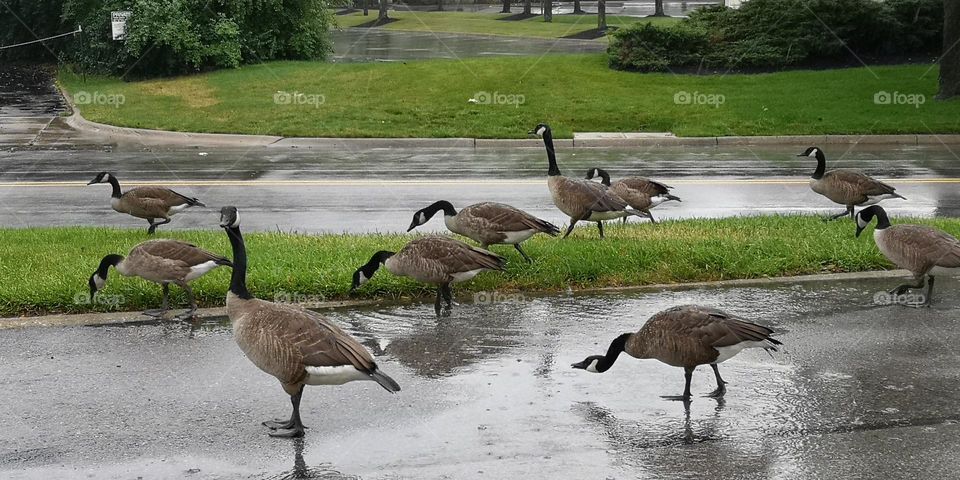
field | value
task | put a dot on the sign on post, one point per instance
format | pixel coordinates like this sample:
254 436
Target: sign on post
118 23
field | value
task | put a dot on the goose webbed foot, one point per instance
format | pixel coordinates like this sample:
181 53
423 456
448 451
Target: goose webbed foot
718 393
186 315
677 398
295 432
155 312
279 424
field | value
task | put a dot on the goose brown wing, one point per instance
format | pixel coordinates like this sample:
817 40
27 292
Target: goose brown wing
500 217
595 196
183 252
451 256
323 344
157 195
645 185
857 182
924 246
714 327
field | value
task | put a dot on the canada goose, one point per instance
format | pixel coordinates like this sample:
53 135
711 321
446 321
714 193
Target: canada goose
148 202
487 223
297 346
924 251
164 262
432 259
640 193
845 186
580 199
687 336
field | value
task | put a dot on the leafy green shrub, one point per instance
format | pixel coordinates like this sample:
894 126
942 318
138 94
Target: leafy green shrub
776 33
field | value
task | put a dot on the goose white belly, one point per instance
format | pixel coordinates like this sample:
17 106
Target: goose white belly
512 238
876 199
337 375
730 351
598 216
464 276
200 270
657 200
178 208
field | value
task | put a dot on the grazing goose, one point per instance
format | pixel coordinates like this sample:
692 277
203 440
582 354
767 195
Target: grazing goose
297 346
687 336
924 251
488 223
640 193
432 259
845 186
580 199
163 262
146 202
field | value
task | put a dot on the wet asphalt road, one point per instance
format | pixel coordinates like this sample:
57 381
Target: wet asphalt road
859 391
326 190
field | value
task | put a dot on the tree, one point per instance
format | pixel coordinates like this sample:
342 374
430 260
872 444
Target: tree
950 61
366 7
601 16
526 7
382 17
658 9
548 10
576 7
439 5
506 6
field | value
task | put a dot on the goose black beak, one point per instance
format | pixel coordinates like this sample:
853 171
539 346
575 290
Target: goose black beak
533 133
412 226
581 365
91 182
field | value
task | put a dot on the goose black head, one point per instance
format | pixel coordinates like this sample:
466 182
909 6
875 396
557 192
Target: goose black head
865 216
102 177
590 364
425 214
98 279
540 130
814 152
229 217
366 272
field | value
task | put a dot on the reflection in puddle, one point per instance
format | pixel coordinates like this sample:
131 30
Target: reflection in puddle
301 471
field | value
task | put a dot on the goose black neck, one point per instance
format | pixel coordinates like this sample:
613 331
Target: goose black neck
108 261
618 345
551 153
116 187
821 166
882 220
444 205
604 176
238 280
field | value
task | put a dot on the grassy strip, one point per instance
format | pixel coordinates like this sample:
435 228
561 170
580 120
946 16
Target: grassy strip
492 24
572 92
46 269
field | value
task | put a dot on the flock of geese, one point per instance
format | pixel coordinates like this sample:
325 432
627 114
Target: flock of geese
300 347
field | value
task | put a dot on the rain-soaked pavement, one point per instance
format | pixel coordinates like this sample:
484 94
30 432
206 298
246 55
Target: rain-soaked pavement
378 189
859 391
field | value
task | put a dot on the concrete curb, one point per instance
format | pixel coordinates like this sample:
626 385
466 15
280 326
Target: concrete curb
146 136
117 318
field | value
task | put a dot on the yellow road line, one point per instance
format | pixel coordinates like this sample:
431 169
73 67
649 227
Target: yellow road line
348 183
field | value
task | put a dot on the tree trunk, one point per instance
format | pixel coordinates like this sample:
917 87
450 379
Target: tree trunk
383 11
548 10
439 5
576 7
658 9
366 7
506 6
526 7
950 61
601 15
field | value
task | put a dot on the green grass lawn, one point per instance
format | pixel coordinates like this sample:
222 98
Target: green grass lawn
571 92
53 264
492 24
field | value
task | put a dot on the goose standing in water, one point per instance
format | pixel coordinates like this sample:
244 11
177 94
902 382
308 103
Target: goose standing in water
580 199
297 346
433 259
487 223
845 186
148 202
687 336
163 262
924 251
640 193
